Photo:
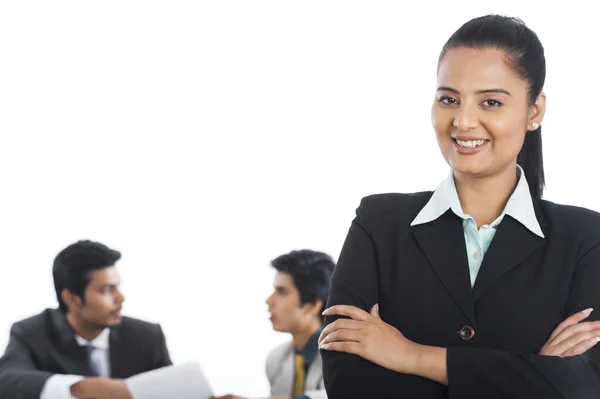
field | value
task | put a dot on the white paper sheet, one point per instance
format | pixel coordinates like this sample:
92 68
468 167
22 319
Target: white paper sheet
185 381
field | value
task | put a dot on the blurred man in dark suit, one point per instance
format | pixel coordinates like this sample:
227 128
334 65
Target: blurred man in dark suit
85 348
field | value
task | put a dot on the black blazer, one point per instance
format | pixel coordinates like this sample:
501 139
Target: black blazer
45 344
419 275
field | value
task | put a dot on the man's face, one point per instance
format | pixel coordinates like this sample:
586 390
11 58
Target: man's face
103 300
287 313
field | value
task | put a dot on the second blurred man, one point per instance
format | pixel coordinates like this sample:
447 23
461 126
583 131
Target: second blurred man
300 293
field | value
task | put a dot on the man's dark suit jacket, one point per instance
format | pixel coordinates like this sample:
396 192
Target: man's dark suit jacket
45 344
419 275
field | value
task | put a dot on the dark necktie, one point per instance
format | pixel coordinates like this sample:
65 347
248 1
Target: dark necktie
93 366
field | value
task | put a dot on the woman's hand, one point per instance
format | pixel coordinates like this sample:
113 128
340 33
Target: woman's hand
368 336
571 337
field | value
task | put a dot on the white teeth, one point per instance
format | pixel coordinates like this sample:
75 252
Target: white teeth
471 143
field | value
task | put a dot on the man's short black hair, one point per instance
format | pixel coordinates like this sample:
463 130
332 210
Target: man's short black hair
72 266
311 272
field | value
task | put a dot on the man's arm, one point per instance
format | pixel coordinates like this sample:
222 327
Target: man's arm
164 359
59 386
19 376
21 379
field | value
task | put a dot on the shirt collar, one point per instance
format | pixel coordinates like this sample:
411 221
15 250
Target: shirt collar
100 342
311 348
519 205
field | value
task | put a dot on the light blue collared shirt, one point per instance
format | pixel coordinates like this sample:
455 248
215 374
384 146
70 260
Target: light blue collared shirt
519 206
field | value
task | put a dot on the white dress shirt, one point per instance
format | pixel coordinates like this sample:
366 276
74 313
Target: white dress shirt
59 385
519 206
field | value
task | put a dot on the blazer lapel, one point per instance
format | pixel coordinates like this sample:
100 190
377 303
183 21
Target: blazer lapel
512 244
283 383
443 243
117 354
73 357
314 377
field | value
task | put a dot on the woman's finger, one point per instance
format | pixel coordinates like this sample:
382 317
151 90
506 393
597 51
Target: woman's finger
347 310
582 347
343 335
569 321
571 342
347 324
349 347
573 330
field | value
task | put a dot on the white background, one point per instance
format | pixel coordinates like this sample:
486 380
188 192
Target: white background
203 139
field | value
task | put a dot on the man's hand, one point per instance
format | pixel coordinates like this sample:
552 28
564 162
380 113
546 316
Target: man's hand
100 388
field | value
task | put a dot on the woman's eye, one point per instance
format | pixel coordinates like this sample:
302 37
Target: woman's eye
447 100
492 103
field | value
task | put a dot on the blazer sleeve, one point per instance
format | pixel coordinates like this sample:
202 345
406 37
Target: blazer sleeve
474 373
355 282
271 366
19 376
163 358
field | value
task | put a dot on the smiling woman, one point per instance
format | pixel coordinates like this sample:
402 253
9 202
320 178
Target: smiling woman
482 107
479 289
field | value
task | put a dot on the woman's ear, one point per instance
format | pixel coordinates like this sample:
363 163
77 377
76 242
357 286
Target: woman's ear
536 112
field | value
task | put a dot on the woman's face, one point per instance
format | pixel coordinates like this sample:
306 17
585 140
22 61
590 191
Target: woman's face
481 112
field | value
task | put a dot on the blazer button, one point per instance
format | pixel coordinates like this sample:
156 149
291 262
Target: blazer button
466 333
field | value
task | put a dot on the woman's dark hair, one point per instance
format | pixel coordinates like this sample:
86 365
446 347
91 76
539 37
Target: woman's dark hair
525 55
